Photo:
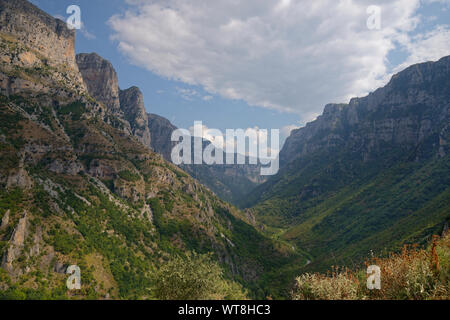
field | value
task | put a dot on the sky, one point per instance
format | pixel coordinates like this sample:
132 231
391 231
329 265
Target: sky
269 64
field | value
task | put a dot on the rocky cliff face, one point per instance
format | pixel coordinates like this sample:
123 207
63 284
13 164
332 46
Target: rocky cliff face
37 51
38 31
5 220
161 132
132 105
127 106
100 79
411 112
16 244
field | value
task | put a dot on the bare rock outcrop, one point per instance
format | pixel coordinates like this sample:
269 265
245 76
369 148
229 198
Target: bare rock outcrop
16 243
39 31
65 167
36 247
132 105
411 112
34 41
5 220
19 178
161 132
100 79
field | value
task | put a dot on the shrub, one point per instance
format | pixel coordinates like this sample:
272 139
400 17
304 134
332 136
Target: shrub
76 109
194 277
64 243
129 176
340 286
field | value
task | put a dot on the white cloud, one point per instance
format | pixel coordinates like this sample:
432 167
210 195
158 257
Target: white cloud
438 1
187 94
88 35
289 55
427 47
84 31
190 94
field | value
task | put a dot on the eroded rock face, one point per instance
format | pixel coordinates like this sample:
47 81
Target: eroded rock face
16 243
5 220
34 42
65 167
20 179
412 111
100 79
37 238
132 105
161 132
39 31
101 169
127 106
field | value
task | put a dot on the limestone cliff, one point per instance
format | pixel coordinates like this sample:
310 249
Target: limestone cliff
39 31
411 111
16 244
37 51
161 132
48 40
132 105
100 79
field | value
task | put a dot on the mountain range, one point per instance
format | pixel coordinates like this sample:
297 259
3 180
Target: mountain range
86 178
369 175
81 185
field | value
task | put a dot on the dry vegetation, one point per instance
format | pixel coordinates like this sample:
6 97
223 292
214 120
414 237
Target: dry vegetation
413 274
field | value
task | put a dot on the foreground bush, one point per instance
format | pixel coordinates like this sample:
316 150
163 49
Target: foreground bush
413 274
339 286
194 277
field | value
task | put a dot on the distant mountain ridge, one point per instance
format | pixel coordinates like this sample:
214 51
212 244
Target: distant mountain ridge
367 175
127 106
229 181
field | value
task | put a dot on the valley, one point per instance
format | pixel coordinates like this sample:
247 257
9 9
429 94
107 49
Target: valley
86 179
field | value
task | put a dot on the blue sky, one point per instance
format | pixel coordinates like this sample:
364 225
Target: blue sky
267 64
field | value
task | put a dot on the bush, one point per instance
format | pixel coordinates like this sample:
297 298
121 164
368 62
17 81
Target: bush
195 277
64 242
340 286
76 109
129 176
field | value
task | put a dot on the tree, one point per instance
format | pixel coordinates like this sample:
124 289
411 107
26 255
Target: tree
194 277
